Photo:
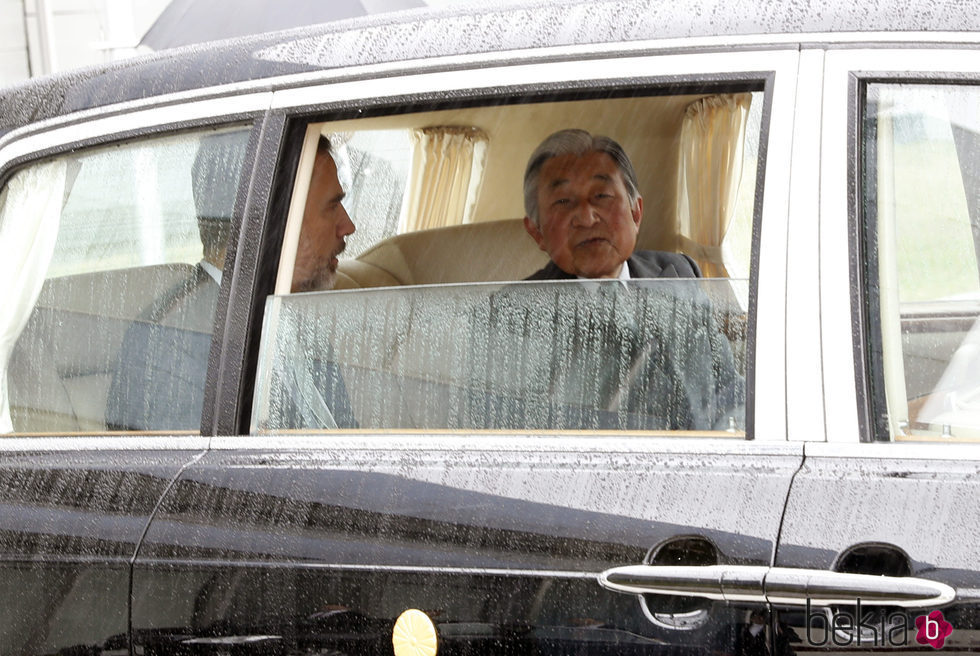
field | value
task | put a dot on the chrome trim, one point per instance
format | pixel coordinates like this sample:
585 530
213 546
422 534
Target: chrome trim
777 585
195 563
531 442
785 585
88 442
932 451
715 582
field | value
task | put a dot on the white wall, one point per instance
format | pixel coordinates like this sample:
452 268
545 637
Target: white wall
46 36
13 42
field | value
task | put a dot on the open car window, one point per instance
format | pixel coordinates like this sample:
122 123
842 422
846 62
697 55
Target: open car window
407 337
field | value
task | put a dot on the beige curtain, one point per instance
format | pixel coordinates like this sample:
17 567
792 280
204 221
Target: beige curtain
447 172
888 287
712 137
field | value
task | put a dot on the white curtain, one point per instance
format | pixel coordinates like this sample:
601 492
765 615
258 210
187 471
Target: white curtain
712 139
30 213
447 172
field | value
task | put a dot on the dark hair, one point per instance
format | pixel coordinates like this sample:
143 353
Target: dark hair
215 177
574 142
323 146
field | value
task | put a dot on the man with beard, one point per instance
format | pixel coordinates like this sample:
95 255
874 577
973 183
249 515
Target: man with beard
325 225
313 393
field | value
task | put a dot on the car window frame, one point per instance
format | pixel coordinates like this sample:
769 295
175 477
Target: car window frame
147 121
775 66
851 329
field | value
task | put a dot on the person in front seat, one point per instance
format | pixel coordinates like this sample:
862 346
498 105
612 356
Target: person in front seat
584 210
158 382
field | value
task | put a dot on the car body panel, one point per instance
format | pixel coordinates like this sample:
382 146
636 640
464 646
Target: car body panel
419 35
485 534
908 507
72 522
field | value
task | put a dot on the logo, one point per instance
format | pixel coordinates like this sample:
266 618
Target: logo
860 626
933 629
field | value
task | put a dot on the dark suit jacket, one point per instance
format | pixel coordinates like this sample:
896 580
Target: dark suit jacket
687 378
642 264
162 366
159 379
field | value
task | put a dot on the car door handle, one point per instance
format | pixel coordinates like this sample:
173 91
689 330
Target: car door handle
776 585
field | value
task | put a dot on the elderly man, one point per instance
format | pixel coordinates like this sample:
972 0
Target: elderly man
658 360
584 210
325 225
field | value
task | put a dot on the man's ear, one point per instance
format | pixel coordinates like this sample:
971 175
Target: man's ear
637 211
534 232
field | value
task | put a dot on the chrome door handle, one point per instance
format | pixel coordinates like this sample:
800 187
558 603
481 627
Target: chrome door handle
777 585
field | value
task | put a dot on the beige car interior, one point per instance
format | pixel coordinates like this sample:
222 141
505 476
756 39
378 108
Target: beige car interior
475 252
485 241
94 310
492 244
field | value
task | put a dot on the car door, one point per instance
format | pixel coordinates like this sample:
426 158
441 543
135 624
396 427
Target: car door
462 509
884 509
108 321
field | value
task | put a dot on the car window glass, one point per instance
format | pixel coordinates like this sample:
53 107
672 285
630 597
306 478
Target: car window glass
568 355
373 168
119 254
922 169
436 198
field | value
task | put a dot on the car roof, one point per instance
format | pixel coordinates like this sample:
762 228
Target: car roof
473 29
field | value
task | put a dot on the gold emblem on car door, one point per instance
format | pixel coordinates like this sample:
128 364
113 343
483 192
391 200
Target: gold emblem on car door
414 635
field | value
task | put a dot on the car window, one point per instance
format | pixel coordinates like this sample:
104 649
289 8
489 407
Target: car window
568 355
427 323
117 254
921 170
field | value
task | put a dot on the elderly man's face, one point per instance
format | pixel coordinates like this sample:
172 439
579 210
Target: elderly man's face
325 225
586 223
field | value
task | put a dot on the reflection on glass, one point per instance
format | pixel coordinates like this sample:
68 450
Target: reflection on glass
111 314
922 167
573 355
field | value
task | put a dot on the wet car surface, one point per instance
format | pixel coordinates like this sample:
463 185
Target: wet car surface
779 457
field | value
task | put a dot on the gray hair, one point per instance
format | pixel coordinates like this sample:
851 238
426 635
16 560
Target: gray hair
574 142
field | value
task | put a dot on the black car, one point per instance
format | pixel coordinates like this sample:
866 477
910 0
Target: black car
431 453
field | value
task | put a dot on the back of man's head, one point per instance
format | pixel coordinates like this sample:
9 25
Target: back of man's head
215 177
574 142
